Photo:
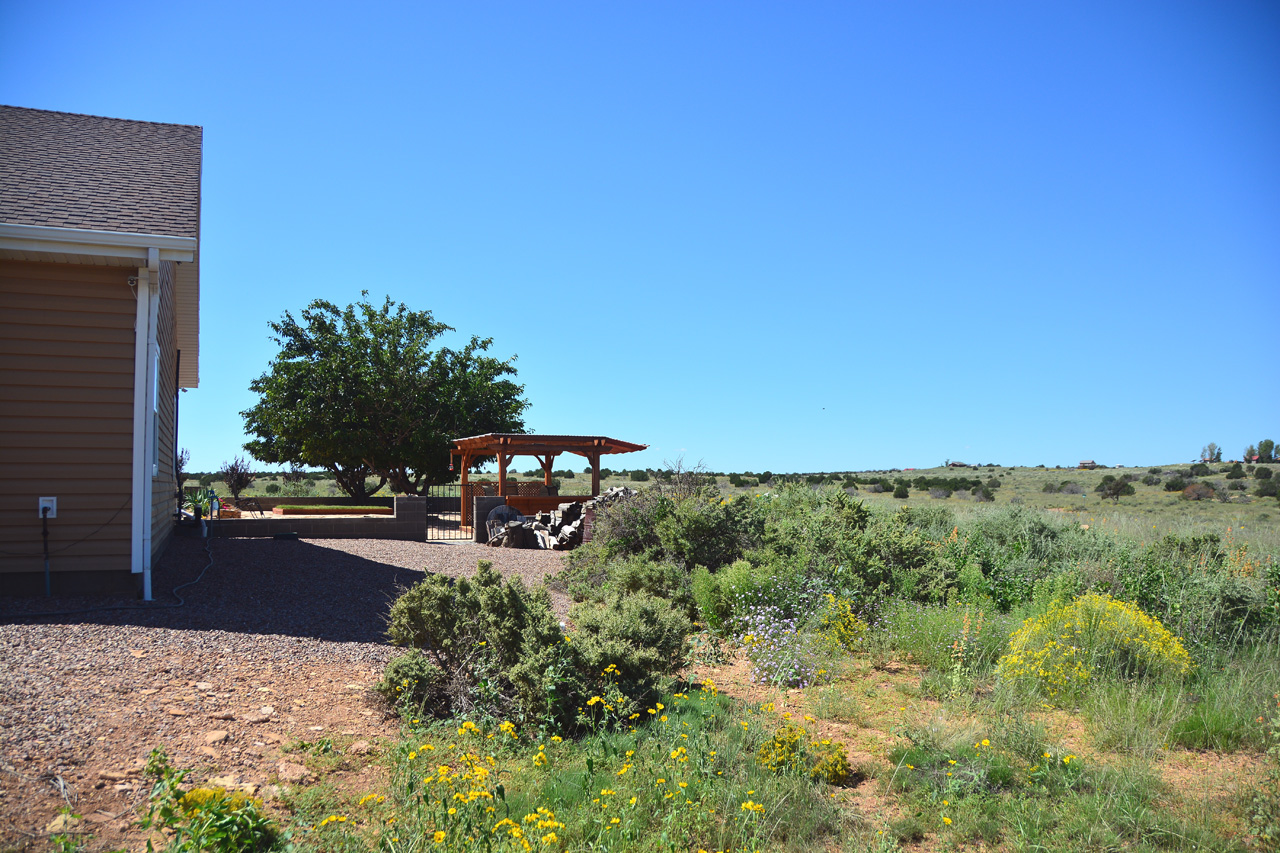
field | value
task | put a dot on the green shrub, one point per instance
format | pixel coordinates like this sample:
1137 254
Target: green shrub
1200 470
901 491
713 605
639 634
500 653
1175 484
1151 480
1267 489
639 476
495 643
700 531
1235 472
272 488
1265 816
414 683
1262 473
637 575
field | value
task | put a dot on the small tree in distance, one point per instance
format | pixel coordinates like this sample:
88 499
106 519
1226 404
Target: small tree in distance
1114 488
237 475
180 467
1211 453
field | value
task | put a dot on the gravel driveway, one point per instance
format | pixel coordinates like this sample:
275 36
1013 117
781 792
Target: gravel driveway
279 640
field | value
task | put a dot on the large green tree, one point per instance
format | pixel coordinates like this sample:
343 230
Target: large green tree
361 392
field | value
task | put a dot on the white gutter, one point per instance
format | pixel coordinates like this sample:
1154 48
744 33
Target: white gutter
82 241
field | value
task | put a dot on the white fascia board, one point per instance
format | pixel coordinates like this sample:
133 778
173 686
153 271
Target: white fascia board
82 241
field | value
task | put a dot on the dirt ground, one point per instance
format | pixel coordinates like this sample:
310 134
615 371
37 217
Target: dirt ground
277 642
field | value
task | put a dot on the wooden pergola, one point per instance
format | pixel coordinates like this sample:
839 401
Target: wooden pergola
507 446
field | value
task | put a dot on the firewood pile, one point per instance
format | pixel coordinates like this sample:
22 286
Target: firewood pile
560 530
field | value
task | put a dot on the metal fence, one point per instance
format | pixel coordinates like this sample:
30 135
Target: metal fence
444 513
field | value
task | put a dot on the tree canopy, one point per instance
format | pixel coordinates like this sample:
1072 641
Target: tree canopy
360 392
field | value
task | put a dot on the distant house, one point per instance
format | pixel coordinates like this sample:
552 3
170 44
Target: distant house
99 328
957 465
1088 464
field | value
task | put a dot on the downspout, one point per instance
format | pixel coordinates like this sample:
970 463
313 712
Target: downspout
152 422
143 391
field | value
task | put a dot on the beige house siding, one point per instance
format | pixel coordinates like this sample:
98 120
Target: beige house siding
66 414
164 488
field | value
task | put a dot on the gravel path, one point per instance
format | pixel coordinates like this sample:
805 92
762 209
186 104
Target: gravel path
279 640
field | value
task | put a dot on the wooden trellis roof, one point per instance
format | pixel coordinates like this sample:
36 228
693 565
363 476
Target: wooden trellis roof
519 444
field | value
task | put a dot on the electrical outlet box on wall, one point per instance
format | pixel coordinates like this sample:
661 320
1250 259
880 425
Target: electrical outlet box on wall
52 503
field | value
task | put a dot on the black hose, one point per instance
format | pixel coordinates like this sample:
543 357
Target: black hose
44 532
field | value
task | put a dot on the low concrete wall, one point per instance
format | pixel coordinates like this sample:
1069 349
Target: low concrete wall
481 506
409 522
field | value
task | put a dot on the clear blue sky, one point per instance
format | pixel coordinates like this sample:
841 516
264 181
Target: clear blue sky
796 237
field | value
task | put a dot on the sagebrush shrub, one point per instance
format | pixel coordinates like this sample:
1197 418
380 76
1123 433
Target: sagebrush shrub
412 682
1095 635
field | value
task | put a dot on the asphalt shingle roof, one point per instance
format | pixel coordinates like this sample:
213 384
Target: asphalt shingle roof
103 174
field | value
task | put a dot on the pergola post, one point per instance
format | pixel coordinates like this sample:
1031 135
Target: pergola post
547 460
503 460
464 491
594 459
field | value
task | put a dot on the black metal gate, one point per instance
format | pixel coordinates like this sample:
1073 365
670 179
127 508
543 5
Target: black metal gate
444 513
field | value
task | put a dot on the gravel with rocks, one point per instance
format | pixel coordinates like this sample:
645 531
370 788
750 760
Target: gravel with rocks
277 640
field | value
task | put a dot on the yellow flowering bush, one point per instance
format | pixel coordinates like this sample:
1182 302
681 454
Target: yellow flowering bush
204 819
830 762
784 750
1068 645
841 625
199 799
789 749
